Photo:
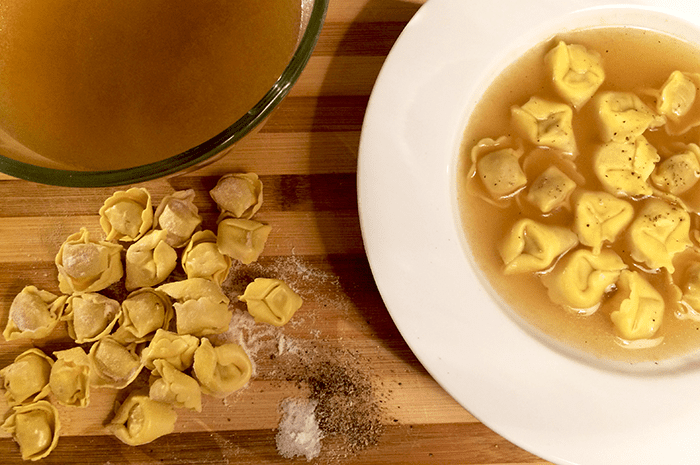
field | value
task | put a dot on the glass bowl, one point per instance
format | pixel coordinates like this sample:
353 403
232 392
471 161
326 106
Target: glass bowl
313 16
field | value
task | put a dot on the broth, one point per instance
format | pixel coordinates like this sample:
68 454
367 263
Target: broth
101 85
633 59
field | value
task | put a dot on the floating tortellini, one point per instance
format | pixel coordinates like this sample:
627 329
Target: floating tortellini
623 168
495 173
112 364
221 370
170 385
143 312
240 194
149 260
85 265
600 217
623 116
271 301
177 349
70 377
179 216
203 259
243 240
127 215
34 313
27 378
581 279
35 428
91 316
678 173
533 246
140 420
658 233
577 72
546 123
640 307
550 190
677 101
200 306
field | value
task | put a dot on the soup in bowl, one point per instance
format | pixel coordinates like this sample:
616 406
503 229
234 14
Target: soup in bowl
101 93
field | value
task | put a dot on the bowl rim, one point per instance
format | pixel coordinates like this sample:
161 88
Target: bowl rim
197 155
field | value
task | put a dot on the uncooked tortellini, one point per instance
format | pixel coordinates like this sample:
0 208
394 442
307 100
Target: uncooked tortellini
577 72
546 123
27 378
149 260
140 420
87 266
170 385
112 364
580 279
176 349
640 308
70 377
625 167
550 190
127 215
532 246
200 306
221 370
35 427
34 313
240 194
658 233
179 216
242 239
203 259
143 312
679 172
271 301
600 217
91 316
624 117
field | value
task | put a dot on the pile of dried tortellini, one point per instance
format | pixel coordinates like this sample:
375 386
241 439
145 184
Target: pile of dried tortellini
160 326
645 197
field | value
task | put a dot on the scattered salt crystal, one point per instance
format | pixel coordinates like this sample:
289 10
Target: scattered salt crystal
298 432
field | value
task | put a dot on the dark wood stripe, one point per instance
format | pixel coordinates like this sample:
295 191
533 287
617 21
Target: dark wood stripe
358 39
322 114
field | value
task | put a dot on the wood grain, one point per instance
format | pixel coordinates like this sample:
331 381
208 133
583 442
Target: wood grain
306 155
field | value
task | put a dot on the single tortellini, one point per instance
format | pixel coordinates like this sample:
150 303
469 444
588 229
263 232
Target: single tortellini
243 240
658 233
127 215
581 279
640 307
240 194
91 316
203 259
149 260
170 385
678 173
532 246
600 217
577 72
495 173
546 123
677 101
140 420
88 266
177 349
35 428
143 312
112 364
623 116
551 190
271 301
201 307
623 168
179 216
27 378
223 369
34 313
70 377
